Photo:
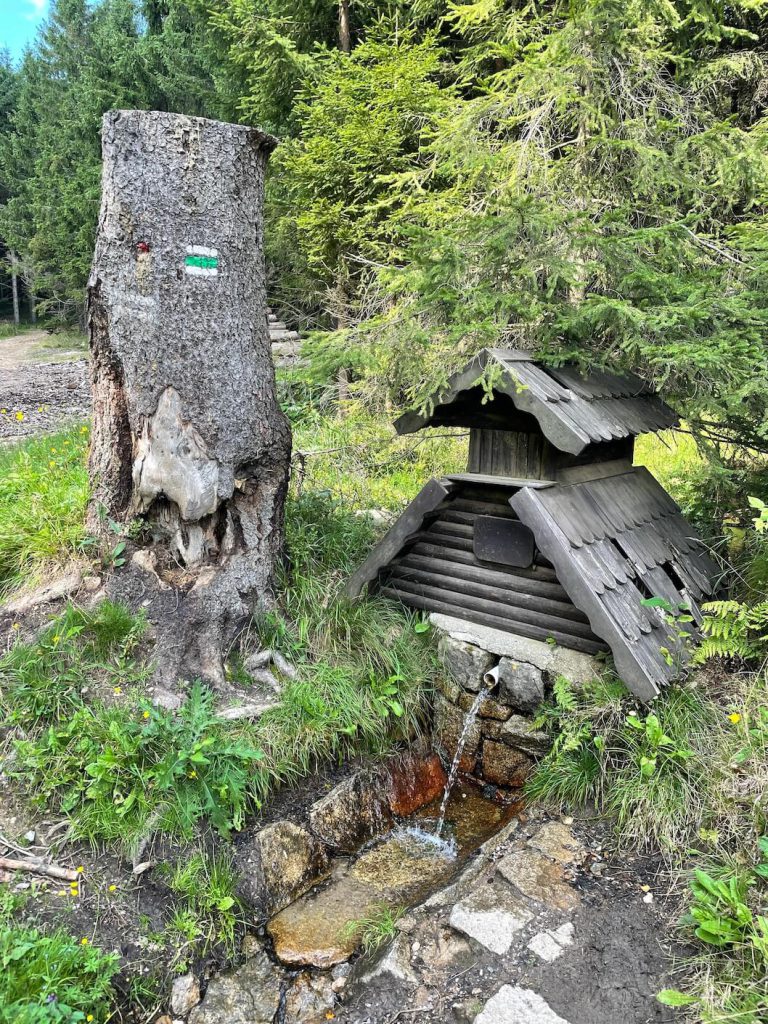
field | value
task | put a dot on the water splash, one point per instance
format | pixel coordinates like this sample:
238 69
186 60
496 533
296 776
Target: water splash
469 721
431 840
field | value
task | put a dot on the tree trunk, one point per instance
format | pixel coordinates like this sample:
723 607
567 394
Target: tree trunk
15 289
31 300
189 443
345 35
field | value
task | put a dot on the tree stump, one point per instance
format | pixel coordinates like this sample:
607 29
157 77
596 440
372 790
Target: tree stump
190 451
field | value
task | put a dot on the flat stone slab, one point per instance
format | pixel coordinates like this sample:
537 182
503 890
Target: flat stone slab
556 840
492 917
549 945
318 930
538 878
248 995
578 667
514 1005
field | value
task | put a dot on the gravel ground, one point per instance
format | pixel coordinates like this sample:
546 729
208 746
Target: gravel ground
39 394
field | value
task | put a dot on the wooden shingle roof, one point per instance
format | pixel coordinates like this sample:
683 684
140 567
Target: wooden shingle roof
572 410
615 542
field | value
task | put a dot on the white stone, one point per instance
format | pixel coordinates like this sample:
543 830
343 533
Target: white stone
514 1005
396 963
550 944
579 668
185 994
492 918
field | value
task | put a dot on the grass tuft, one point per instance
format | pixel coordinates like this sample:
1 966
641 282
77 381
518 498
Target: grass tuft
377 927
43 495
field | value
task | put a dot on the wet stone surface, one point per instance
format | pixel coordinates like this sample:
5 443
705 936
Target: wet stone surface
525 934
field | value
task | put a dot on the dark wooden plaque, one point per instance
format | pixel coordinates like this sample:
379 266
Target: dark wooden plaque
504 541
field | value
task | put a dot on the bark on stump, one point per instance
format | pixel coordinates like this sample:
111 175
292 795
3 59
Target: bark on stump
188 436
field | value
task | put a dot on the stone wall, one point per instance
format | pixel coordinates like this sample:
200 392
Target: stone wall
501 745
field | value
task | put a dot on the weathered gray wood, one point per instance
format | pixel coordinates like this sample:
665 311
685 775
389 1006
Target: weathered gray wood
504 541
444 547
426 501
445 565
447 607
635 671
517 613
515 598
501 481
569 420
188 437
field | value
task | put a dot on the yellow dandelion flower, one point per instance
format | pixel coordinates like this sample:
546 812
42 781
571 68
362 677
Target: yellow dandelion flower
4 412
89 1017
735 718
16 626
83 942
193 774
80 870
145 715
113 888
19 416
39 408
51 463
118 690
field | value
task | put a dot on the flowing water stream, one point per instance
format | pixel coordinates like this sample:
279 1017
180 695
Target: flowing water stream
469 721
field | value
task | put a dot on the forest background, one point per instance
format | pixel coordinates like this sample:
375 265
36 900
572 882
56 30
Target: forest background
585 178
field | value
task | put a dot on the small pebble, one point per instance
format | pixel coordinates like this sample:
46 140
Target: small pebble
648 898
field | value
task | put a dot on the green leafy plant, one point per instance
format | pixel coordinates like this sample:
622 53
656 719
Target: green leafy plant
51 978
45 679
654 747
651 771
118 770
736 630
211 907
724 918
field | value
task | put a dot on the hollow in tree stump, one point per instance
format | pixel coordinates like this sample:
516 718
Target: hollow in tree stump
189 444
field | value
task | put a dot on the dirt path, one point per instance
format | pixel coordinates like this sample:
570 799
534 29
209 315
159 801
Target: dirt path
42 385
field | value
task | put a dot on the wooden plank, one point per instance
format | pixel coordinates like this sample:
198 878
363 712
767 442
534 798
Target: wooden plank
445 607
434 576
640 664
499 481
426 501
447 528
533 616
484 508
511 579
427 544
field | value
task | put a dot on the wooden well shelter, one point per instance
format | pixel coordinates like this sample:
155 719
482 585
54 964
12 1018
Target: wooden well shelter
552 533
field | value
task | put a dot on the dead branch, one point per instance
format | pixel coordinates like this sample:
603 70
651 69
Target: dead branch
39 867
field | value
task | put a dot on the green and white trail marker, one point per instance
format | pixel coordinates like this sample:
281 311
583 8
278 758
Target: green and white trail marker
201 262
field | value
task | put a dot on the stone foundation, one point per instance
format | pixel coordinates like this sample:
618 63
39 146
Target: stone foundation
501 745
